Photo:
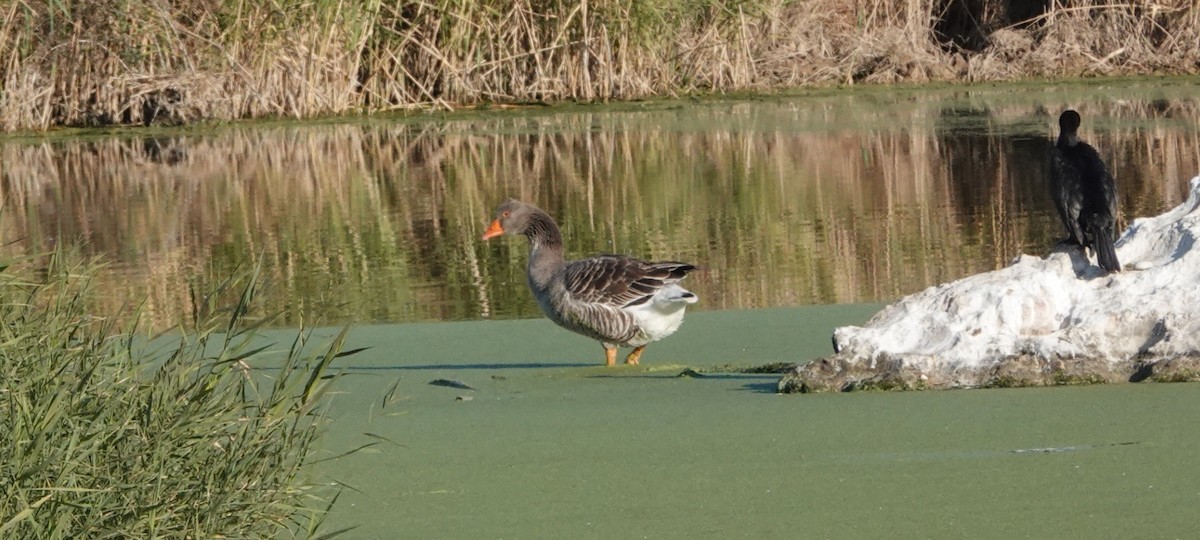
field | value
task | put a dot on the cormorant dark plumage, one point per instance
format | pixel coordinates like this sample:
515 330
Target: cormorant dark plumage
1084 193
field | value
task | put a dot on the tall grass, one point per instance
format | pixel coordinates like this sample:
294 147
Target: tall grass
95 62
105 435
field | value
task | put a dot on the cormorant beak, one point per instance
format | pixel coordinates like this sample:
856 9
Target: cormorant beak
494 230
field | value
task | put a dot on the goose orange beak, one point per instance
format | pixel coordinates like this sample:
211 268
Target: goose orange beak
494 230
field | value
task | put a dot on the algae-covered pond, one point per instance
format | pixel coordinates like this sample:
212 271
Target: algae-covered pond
843 199
547 447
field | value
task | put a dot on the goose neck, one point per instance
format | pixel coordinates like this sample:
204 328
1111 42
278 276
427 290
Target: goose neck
546 249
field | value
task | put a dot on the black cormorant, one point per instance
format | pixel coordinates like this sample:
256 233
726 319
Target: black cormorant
1084 193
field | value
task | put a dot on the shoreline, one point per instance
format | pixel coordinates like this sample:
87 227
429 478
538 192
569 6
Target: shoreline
189 63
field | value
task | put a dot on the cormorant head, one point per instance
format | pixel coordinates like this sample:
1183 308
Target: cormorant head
1069 122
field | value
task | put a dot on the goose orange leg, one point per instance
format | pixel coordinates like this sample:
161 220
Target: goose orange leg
610 357
634 356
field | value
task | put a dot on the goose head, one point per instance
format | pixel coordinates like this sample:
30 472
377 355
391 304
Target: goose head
512 217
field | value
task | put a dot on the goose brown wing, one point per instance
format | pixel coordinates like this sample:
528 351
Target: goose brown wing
620 281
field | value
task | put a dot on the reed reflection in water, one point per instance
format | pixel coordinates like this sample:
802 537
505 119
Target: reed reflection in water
838 199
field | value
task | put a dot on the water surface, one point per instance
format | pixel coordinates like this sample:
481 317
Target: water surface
831 197
549 447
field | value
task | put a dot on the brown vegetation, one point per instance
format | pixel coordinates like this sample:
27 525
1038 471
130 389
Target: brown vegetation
98 62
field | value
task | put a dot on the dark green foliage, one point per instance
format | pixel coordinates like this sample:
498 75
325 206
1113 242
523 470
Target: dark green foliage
107 435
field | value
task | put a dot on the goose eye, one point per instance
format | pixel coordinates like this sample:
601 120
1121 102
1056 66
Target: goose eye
505 214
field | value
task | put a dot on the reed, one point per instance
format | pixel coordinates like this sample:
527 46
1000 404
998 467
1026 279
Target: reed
100 62
107 435
380 221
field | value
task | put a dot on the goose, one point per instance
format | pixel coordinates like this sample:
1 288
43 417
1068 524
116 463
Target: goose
1084 193
620 301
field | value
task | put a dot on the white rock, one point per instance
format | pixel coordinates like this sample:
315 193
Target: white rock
1060 307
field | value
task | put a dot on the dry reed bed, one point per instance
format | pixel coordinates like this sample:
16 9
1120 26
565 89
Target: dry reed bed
70 62
384 219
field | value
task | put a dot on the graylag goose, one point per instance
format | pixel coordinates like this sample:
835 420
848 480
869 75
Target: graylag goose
1084 193
618 300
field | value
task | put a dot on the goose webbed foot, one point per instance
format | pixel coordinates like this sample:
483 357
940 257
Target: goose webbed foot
634 356
610 356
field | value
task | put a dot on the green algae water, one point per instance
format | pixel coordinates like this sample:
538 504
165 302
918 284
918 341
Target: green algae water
849 199
551 445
